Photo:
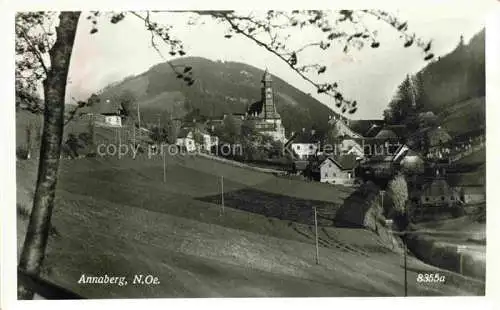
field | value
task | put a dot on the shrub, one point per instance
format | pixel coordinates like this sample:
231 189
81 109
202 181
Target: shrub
397 190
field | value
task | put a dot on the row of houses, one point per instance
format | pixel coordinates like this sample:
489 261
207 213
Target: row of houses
364 149
439 193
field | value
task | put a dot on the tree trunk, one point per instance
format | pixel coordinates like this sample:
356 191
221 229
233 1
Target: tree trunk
50 150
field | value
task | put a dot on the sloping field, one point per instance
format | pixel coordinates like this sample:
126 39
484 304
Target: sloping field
438 242
117 217
465 116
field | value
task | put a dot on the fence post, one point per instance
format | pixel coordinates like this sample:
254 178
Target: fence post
316 230
222 192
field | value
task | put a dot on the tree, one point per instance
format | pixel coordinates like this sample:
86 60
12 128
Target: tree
173 128
43 53
127 102
54 89
229 131
73 144
427 119
397 191
159 134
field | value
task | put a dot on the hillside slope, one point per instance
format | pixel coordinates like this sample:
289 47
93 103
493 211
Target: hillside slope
452 87
220 87
117 217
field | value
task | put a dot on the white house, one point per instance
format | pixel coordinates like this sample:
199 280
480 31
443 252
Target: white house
335 170
305 144
113 120
108 114
186 140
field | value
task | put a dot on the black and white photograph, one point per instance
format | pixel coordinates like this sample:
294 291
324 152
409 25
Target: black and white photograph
250 153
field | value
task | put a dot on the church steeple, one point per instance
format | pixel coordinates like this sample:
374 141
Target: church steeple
268 109
266 77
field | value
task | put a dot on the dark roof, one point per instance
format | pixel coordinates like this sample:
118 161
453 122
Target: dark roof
307 137
400 130
184 132
366 127
386 134
103 107
379 159
187 128
344 162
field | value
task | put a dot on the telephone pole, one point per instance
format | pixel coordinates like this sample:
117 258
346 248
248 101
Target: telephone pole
405 249
164 168
222 192
316 230
139 117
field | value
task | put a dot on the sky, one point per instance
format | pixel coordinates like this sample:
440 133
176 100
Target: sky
369 76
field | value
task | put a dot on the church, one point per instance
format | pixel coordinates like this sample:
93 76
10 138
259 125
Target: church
263 113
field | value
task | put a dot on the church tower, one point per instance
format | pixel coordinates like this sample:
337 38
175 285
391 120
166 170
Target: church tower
269 108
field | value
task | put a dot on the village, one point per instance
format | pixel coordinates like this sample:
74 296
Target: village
225 173
349 154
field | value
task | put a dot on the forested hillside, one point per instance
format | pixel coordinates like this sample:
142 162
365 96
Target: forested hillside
219 87
451 86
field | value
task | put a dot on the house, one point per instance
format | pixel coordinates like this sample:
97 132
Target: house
342 127
334 169
438 193
187 139
350 146
356 150
106 114
473 194
408 160
365 138
112 119
305 144
387 134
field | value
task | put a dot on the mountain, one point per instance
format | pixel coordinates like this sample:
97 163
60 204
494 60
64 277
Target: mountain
220 87
454 87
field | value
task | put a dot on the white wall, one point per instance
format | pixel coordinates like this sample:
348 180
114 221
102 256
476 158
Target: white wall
304 150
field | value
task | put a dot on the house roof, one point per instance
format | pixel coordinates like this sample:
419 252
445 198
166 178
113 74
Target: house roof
344 162
104 107
400 130
184 132
366 127
307 137
403 152
379 159
187 128
386 134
